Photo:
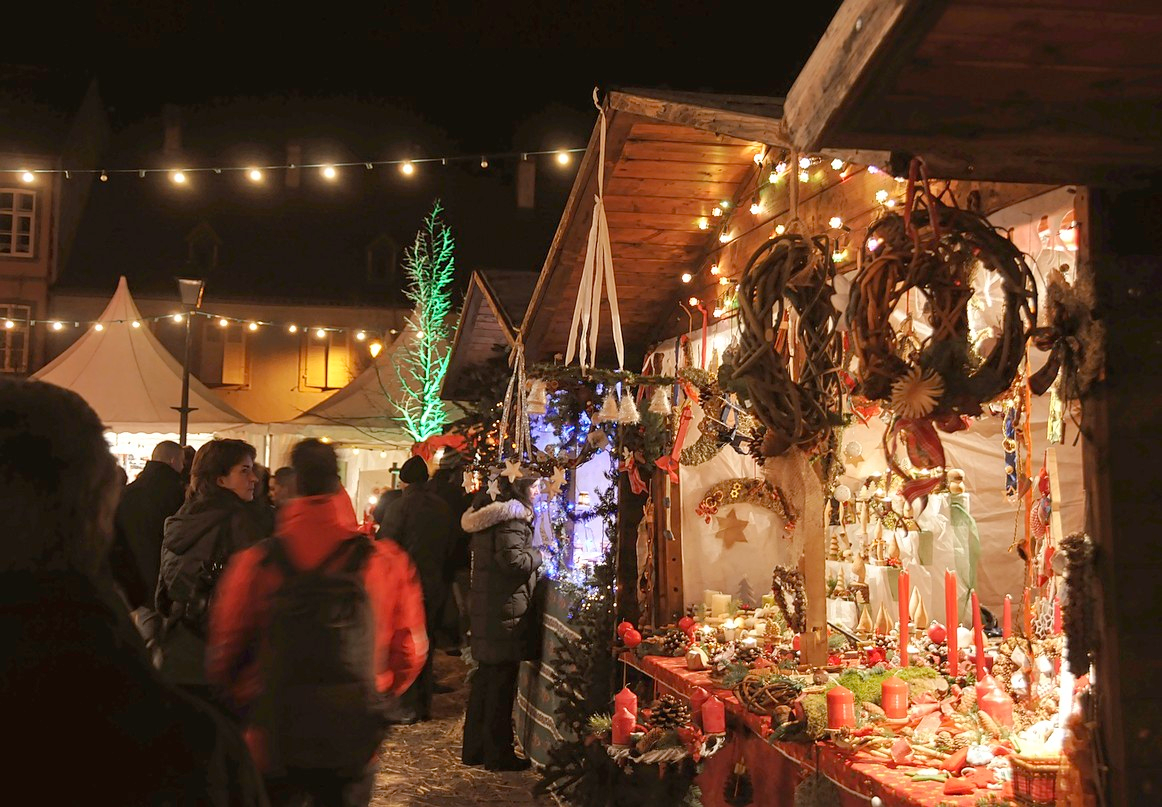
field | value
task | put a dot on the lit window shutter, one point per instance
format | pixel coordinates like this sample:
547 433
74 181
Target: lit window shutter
315 359
212 355
339 361
234 358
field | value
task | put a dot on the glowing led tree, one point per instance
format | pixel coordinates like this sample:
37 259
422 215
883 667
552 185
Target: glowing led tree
429 265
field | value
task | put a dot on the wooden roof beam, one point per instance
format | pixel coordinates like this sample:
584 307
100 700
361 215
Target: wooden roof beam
754 118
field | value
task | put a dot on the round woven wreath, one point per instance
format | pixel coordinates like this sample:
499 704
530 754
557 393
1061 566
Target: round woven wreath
762 692
789 273
936 248
786 583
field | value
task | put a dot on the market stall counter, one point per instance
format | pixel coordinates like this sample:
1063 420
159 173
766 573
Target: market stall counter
776 767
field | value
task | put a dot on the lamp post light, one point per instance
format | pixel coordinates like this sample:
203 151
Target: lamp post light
190 290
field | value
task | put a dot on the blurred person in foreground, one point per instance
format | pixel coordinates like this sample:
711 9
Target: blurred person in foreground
314 631
74 672
282 486
200 538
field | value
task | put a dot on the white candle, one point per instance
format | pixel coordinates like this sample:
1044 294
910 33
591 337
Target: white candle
708 598
750 641
728 629
721 605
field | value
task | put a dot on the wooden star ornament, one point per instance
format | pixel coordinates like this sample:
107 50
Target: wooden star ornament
511 470
731 529
469 481
557 481
494 488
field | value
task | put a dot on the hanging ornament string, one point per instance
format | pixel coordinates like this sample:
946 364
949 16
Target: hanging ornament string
598 266
514 407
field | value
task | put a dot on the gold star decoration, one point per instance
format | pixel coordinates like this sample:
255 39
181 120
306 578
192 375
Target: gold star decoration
557 482
469 481
731 529
511 470
494 488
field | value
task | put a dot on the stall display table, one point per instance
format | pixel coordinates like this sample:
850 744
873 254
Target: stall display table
776 767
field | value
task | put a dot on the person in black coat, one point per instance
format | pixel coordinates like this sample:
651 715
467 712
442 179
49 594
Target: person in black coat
448 483
419 521
151 498
505 566
213 524
73 669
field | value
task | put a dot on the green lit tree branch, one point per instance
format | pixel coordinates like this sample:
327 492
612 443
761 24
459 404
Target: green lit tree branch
429 264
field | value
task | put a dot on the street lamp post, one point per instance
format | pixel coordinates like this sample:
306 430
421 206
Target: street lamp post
190 290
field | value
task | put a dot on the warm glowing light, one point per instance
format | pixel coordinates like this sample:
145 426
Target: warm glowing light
871 169
717 211
27 177
104 177
329 172
724 237
724 204
178 317
56 326
714 269
375 347
758 158
320 333
419 334
9 324
839 256
222 323
718 312
383 454
293 328
835 222
564 157
804 162
407 169
361 335
324 439
483 162
781 168
804 176
687 277
355 451
253 326
780 229
178 177
372 500
901 180
837 163
703 224
890 203
693 301
881 196
723 281
136 323
873 244
98 327
254 174
756 208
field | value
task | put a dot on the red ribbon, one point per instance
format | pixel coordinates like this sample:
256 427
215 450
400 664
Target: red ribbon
634 474
669 463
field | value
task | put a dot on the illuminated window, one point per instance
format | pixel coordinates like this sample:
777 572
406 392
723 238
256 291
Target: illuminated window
17 222
325 363
224 357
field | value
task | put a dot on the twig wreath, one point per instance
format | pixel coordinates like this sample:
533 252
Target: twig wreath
788 583
936 248
790 273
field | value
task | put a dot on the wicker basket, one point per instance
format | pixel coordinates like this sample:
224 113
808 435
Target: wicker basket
1035 780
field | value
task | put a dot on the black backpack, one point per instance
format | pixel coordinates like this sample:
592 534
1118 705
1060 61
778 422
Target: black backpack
319 707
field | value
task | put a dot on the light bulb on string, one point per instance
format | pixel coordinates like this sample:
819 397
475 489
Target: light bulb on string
253 326
780 229
563 157
98 327
804 176
104 177
293 328
56 326
178 177
717 211
374 348
837 164
693 301
320 333
178 317
758 157
804 162
9 324
724 237
27 177
718 312
329 172
407 168
881 196
361 335
723 281
254 174
136 323
483 162
687 277
419 334
714 270
223 322
873 244
756 208
703 224
871 169
835 222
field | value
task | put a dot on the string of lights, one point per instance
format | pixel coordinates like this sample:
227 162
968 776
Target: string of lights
372 336
179 175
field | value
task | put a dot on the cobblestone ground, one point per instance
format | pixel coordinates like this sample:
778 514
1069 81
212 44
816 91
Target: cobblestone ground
420 764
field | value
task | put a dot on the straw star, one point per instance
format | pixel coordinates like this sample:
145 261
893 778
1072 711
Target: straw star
511 470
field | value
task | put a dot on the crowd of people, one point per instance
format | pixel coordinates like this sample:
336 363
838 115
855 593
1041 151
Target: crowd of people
214 634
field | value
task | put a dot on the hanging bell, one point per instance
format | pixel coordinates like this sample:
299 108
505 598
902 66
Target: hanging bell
627 412
660 402
537 401
608 413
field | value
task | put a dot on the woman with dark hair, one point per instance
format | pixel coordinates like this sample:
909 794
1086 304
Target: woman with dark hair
212 525
504 577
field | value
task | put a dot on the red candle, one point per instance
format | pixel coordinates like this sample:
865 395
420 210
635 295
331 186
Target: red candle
903 638
951 619
1057 621
840 708
997 704
977 636
1026 614
625 700
713 716
698 697
895 698
623 723
1007 618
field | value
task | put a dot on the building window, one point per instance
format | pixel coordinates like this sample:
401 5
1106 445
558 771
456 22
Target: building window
325 362
224 357
14 340
17 222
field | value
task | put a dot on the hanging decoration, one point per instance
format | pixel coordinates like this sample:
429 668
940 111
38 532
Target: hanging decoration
1073 338
660 402
537 401
744 490
714 431
609 409
598 267
790 597
514 413
670 463
627 413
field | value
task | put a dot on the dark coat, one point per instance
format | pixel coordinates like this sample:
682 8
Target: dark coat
199 539
74 671
504 578
419 521
448 488
151 498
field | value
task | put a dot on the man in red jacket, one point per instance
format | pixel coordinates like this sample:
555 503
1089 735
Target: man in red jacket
310 530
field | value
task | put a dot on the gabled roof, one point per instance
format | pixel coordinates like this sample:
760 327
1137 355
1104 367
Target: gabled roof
493 308
131 380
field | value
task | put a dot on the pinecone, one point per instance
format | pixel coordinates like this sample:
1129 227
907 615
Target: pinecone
967 703
669 712
963 740
747 654
649 740
674 643
944 741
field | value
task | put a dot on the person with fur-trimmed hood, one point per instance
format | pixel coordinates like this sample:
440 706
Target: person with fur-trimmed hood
504 578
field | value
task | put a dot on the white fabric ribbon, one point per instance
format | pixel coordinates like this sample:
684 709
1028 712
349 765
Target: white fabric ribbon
598 268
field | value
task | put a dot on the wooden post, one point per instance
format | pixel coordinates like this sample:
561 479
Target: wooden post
668 551
1122 250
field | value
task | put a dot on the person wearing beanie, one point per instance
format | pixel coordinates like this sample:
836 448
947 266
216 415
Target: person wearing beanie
421 523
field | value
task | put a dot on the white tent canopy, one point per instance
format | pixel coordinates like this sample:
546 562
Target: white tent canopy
131 380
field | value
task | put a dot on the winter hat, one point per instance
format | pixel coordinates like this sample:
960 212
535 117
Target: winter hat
414 471
451 459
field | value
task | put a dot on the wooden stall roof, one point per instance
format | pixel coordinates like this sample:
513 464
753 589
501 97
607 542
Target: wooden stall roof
493 307
671 158
1057 91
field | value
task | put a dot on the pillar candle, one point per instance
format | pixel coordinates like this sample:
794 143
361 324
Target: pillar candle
904 616
997 704
698 697
895 698
977 636
951 619
1026 614
1057 621
720 605
623 723
713 716
840 708
625 700
708 599
769 600
1007 618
